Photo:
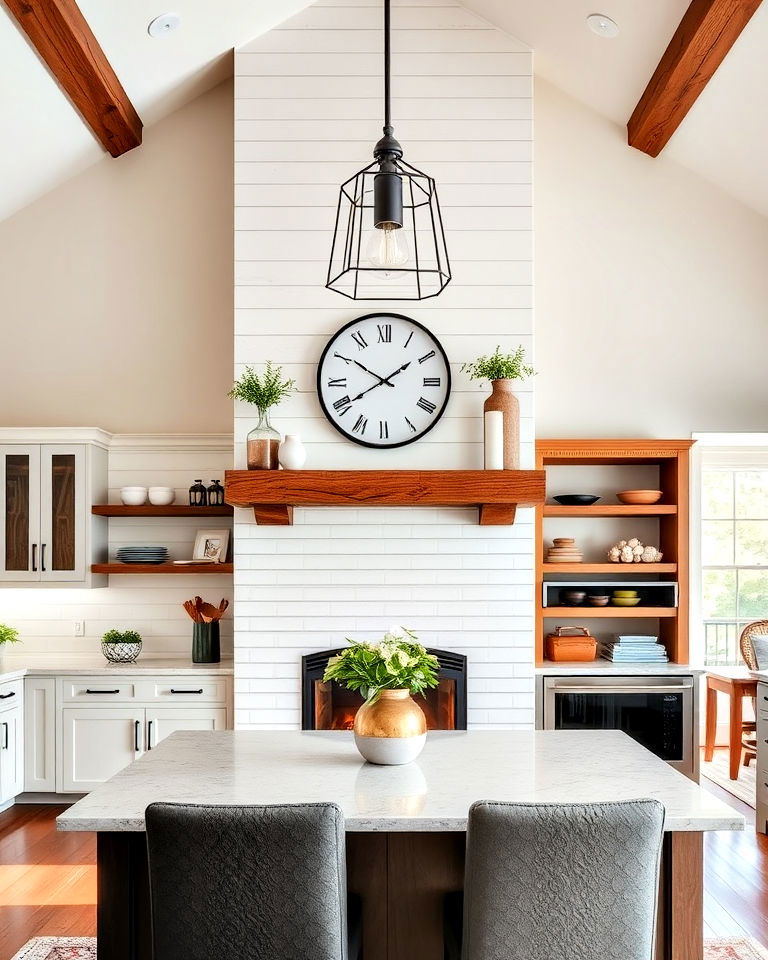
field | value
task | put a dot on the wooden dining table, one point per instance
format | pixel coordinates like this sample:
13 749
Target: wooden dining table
738 684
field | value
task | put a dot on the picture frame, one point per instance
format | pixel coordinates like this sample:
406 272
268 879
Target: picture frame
211 545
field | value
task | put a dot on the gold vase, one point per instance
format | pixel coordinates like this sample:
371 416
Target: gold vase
392 729
503 399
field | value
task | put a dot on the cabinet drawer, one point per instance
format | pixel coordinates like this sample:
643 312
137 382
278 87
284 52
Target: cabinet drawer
183 689
97 690
11 694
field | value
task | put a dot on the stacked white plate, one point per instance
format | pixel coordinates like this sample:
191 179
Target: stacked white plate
142 554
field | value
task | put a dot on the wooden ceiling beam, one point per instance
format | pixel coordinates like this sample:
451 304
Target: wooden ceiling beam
62 38
701 42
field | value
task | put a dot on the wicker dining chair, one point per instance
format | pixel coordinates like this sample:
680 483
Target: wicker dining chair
749 727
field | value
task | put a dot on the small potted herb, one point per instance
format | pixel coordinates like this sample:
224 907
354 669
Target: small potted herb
502 370
121 646
390 727
263 391
8 635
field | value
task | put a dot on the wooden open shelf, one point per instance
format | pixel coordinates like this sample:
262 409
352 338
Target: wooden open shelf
274 493
617 568
588 613
671 457
611 510
160 568
149 510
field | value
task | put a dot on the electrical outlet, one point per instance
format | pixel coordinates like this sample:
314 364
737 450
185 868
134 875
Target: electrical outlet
78 628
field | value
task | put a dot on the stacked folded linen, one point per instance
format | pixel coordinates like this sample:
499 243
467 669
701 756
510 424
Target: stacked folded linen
631 648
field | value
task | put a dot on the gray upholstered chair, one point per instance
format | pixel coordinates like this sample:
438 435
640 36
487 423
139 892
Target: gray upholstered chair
247 882
560 881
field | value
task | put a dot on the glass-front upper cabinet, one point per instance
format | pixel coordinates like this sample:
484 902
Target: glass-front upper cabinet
44 513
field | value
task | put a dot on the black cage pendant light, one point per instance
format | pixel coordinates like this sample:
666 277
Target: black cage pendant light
388 242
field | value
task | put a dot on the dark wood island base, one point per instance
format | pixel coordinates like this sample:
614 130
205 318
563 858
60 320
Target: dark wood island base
402 879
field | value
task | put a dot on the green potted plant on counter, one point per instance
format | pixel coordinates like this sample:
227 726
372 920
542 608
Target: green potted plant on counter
8 635
390 727
502 428
121 646
263 391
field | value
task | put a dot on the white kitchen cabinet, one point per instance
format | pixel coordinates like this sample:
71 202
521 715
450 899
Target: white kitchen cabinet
40 734
11 740
106 722
761 761
97 743
48 535
162 723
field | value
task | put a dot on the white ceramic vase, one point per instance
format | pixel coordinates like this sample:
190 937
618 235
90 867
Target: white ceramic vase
292 454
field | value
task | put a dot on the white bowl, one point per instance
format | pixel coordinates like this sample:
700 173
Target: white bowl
133 496
162 496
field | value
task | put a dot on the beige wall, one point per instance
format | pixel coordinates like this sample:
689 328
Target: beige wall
651 288
116 288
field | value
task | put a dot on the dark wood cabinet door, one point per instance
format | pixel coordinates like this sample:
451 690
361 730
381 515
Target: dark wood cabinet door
19 512
62 514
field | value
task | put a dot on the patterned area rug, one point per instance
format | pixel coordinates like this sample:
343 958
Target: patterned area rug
84 948
730 949
744 788
59 948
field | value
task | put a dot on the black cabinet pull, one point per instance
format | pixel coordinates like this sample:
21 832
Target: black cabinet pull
136 736
6 696
34 558
5 738
87 690
42 557
149 735
187 691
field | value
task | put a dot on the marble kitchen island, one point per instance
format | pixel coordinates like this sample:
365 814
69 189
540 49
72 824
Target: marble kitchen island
405 825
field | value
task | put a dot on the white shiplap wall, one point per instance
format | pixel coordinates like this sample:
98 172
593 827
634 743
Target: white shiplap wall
149 604
307 112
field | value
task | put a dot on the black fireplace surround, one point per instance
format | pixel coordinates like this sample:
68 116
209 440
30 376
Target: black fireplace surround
329 706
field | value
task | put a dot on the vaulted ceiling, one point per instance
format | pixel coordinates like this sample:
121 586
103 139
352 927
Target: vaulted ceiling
723 138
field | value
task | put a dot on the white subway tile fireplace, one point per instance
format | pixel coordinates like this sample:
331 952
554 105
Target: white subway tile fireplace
462 102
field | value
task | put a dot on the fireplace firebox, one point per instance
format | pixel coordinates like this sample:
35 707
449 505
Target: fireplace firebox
329 706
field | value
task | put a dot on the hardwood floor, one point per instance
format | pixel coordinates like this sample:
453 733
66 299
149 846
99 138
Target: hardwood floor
48 879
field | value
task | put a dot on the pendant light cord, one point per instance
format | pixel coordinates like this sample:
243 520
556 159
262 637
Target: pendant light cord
387 54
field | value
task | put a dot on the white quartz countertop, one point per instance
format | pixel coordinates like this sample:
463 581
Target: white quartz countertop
605 667
432 794
98 665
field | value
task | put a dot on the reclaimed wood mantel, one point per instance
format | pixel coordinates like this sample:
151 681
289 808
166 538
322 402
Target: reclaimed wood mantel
274 493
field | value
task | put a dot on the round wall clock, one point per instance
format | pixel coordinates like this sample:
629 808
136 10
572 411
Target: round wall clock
383 380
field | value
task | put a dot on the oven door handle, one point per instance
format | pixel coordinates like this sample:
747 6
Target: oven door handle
605 688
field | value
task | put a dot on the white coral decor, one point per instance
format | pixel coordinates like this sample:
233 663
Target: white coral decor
632 551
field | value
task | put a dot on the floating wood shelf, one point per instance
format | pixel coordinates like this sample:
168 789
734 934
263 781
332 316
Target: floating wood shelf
634 568
274 493
158 568
611 510
586 613
149 510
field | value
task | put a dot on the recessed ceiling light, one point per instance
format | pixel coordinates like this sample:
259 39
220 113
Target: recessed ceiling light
164 24
603 26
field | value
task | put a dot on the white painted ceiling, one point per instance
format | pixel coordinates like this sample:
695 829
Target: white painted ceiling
723 138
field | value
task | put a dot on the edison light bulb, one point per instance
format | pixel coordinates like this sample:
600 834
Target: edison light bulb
388 248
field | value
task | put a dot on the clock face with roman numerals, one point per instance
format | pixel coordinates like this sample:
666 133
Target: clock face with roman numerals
383 380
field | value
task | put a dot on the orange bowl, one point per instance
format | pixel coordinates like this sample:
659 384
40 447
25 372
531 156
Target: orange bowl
639 497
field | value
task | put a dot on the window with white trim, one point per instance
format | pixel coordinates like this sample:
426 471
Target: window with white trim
734 547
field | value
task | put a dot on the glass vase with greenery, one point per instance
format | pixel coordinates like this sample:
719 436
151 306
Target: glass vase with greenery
121 646
397 662
263 391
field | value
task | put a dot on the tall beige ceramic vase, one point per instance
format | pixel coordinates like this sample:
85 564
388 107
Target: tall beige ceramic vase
503 399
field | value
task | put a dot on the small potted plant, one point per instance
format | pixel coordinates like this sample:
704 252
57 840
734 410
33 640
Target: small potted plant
390 727
502 369
121 646
263 391
8 635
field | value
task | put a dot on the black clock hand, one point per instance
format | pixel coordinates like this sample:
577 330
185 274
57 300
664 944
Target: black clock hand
380 379
383 381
